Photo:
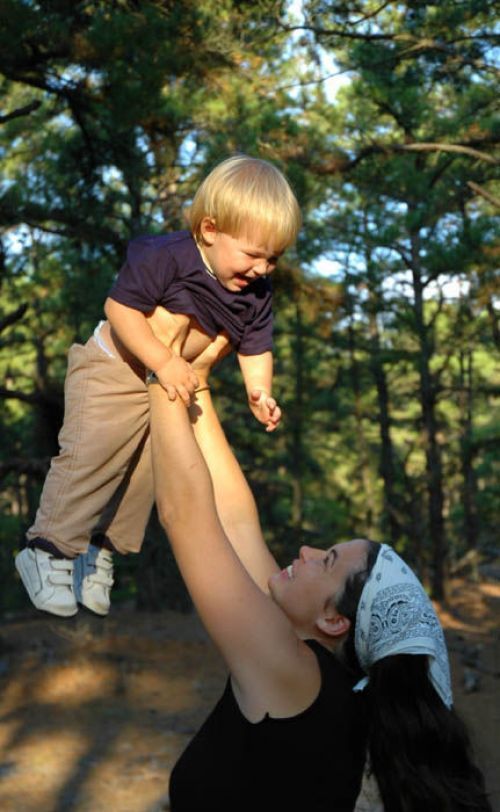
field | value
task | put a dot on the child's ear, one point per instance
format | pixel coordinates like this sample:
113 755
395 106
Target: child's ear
208 230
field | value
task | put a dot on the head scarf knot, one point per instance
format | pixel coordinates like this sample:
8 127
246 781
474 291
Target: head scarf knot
395 616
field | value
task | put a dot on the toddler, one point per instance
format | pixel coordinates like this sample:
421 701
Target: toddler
212 278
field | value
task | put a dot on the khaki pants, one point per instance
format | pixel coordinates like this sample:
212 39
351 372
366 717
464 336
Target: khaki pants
102 479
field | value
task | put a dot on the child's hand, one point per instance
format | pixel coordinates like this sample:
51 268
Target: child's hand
177 378
265 409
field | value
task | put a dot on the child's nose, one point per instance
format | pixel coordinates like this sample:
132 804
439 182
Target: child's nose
260 267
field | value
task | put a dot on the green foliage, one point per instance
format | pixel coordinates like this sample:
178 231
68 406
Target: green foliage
386 371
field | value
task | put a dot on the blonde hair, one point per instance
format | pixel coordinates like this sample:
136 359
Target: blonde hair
247 197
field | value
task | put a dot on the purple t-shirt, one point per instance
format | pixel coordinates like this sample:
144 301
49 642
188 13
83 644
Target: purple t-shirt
168 270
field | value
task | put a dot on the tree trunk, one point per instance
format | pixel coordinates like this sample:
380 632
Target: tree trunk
428 398
469 489
296 416
387 467
364 461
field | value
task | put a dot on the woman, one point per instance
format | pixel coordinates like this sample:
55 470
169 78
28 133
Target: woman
293 726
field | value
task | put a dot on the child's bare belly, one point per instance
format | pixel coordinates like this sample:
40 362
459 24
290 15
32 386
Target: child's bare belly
182 334
195 341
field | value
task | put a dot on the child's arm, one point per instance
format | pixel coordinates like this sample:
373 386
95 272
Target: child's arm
133 330
257 371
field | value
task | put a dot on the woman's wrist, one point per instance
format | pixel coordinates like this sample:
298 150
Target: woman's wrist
202 376
151 377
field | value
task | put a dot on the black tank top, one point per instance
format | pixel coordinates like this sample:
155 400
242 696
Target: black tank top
312 762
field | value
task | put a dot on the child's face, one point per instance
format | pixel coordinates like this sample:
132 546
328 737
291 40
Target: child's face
236 261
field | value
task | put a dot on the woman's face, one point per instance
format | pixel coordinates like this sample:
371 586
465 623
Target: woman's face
306 589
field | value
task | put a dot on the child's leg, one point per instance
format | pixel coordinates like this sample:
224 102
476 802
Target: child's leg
106 419
124 519
121 527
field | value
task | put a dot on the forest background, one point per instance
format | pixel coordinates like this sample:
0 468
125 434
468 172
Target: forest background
384 116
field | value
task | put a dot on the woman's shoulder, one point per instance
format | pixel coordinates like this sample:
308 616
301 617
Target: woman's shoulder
283 689
317 680
323 690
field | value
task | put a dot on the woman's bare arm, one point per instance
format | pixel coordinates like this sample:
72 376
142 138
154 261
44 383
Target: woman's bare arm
254 635
234 500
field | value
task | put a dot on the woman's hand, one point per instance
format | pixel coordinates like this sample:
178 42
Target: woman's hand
218 348
169 328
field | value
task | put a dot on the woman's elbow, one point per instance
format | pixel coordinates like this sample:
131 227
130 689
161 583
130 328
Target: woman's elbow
166 512
174 515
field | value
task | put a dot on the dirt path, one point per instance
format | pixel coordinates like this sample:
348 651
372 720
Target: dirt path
93 713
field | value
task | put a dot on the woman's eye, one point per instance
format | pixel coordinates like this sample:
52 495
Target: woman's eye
329 559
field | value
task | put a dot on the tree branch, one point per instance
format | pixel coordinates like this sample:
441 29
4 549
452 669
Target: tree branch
371 13
320 80
337 32
25 397
20 111
33 398
458 148
341 163
12 317
36 467
13 212
495 201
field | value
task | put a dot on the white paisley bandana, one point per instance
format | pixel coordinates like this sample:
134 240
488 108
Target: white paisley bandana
395 616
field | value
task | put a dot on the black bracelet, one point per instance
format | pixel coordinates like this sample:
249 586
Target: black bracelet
151 377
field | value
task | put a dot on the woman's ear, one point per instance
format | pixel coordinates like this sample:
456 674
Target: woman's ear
334 625
208 230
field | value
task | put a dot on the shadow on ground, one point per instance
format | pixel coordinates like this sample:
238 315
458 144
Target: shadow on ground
93 713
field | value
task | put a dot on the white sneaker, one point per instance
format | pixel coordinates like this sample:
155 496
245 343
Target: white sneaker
48 581
93 579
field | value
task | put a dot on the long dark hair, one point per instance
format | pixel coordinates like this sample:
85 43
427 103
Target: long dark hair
418 749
